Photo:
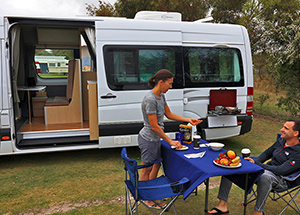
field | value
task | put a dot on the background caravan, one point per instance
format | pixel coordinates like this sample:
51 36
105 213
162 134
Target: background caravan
96 101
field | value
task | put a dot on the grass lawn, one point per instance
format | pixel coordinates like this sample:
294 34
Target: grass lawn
91 182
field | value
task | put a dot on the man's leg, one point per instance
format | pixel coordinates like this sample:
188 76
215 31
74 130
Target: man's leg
224 190
265 183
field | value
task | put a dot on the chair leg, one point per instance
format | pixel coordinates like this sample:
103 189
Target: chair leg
249 200
169 205
127 201
291 201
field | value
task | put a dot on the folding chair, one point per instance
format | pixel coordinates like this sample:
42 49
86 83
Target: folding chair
159 188
292 192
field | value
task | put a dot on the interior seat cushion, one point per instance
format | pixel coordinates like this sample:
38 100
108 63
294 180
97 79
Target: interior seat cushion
57 101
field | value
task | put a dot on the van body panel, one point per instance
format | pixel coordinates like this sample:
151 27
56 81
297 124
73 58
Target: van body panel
221 133
207 33
138 31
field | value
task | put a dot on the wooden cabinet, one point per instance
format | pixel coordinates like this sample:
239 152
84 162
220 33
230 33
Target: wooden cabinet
38 104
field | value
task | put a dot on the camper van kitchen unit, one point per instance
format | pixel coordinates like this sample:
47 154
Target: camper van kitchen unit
96 103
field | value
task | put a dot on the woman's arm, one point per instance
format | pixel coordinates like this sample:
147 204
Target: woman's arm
157 129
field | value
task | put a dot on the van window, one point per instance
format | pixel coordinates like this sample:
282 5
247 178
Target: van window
129 68
52 63
213 67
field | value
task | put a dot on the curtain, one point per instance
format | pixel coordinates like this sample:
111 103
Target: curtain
90 40
15 39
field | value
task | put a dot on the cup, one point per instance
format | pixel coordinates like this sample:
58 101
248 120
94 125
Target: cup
196 141
179 137
246 152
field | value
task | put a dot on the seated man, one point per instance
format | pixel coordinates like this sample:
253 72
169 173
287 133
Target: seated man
285 159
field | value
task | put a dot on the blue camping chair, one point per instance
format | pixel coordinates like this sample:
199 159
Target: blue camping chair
291 193
159 188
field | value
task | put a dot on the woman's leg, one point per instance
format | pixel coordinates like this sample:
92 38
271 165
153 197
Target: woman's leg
154 171
145 174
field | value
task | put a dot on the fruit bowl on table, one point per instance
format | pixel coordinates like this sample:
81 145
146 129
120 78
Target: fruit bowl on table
216 146
228 159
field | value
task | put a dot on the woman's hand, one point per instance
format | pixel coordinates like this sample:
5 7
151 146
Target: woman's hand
194 121
176 144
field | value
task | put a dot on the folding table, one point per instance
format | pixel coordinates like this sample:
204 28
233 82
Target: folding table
199 170
30 89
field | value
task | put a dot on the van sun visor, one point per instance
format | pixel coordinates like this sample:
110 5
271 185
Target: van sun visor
222 97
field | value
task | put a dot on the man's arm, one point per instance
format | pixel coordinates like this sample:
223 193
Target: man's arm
287 168
266 155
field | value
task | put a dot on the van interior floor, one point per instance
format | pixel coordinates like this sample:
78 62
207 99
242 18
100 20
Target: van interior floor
38 124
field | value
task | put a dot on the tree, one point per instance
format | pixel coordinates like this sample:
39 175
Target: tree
226 11
191 10
284 48
103 9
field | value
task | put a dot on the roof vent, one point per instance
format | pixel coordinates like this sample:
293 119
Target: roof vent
158 15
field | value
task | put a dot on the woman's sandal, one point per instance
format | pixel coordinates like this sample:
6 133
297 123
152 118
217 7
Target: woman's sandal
219 212
157 205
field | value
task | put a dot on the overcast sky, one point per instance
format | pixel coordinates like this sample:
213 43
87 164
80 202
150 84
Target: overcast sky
63 8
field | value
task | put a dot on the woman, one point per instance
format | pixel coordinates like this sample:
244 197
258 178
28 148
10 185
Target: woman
154 108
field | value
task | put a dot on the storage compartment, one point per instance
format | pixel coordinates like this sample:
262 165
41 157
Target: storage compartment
38 104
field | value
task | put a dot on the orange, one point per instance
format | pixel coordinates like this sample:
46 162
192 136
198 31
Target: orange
224 161
231 154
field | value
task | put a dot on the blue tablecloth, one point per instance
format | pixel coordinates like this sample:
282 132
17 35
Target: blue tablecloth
197 170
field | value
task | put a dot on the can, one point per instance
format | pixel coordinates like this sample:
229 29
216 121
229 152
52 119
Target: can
179 136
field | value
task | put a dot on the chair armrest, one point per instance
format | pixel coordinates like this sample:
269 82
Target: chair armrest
159 160
176 183
292 177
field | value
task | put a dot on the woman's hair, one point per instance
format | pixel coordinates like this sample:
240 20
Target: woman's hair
162 74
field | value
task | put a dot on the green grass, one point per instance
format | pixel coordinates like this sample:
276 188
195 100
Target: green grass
82 179
47 75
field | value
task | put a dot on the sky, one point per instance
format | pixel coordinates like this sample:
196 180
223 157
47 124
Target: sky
61 8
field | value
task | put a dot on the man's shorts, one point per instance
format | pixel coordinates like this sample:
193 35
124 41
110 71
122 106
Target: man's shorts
150 151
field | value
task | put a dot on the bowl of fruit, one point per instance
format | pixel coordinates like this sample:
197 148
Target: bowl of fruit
216 146
228 159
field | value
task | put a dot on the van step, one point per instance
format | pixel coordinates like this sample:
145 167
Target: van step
54 138
56 141
54 134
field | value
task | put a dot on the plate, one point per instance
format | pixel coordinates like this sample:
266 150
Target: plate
181 149
229 167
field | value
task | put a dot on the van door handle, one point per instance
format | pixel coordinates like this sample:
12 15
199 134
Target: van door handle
108 96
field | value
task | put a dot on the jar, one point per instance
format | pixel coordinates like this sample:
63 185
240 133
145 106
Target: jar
187 133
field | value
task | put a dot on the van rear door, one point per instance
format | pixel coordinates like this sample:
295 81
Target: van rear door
129 52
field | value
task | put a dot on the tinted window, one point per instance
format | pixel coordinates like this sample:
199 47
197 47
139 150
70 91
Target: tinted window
129 68
213 67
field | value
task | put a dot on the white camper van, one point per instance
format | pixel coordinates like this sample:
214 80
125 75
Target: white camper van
101 107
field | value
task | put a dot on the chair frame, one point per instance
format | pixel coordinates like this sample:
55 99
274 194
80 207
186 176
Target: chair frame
179 186
275 195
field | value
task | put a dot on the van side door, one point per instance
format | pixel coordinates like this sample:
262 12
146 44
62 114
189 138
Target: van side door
127 56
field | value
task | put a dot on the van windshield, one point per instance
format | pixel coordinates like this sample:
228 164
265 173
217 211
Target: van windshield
213 67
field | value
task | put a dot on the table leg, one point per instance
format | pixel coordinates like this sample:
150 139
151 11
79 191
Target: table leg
29 107
206 182
246 193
